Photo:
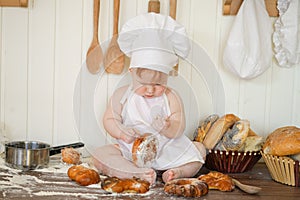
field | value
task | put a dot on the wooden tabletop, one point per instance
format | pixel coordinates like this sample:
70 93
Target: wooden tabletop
53 183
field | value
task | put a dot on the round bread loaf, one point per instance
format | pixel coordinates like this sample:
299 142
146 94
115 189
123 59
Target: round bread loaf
186 187
70 156
283 141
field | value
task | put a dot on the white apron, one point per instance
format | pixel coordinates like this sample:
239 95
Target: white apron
138 113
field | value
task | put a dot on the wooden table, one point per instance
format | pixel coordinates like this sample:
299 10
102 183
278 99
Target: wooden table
55 184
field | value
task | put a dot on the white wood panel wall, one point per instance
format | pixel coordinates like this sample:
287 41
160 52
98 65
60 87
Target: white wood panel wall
43 48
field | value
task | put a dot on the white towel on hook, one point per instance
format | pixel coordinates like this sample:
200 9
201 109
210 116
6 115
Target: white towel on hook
286 37
248 51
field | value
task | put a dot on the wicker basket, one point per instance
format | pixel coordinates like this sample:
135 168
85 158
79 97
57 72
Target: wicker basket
231 161
283 169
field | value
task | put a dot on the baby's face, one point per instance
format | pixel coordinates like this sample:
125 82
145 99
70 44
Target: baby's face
148 83
150 90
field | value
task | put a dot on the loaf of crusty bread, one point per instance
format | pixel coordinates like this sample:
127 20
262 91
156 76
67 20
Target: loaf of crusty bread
218 129
283 141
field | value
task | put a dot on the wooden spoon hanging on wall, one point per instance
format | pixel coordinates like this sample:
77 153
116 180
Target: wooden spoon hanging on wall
173 5
114 58
94 56
154 6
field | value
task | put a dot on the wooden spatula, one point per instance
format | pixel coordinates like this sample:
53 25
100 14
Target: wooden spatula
114 58
94 56
173 5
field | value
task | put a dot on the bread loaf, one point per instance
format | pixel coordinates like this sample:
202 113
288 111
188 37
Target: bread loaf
116 185
204 127
283 141
218 129
144 150
83 175
186 187
70 156
218 181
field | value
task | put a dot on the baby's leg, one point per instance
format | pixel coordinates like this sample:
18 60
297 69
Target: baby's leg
184 171
187 170
109 160
201 148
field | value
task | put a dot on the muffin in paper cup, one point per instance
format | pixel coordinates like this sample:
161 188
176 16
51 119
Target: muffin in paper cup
283 169
231 161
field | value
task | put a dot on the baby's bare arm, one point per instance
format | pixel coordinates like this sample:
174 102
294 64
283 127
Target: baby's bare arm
175 123
112 119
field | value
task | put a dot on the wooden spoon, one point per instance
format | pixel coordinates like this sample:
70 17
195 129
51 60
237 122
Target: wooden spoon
173 5
154 6
94 56
246 188
114 58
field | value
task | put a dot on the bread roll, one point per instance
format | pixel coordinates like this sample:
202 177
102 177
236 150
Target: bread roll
252 143
235 137
283 141
83 175
218 129
70 156
186 187
218 181
144 150
204 127
116 185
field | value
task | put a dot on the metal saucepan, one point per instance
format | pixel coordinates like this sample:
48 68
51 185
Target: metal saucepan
29 155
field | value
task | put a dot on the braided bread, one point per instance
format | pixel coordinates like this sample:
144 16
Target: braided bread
70 156
186 187
144 150
83 175
218 180
116 185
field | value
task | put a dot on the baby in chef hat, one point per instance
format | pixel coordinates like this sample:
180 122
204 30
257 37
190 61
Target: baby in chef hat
148 105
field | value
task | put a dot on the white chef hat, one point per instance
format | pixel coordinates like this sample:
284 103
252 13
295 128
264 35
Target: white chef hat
154 41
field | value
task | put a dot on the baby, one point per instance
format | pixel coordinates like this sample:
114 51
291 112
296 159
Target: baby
147 105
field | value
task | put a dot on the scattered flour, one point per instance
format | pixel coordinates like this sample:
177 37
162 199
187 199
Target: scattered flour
50 193
15 181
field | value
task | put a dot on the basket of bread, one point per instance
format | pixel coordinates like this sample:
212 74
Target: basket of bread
232 146
281 153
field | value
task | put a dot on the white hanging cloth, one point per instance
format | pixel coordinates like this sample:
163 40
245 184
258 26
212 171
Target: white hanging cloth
287 35
248 50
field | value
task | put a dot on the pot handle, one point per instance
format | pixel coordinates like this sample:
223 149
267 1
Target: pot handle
57 149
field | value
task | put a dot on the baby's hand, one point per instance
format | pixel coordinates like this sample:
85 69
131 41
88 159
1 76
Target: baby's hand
160 123
128 135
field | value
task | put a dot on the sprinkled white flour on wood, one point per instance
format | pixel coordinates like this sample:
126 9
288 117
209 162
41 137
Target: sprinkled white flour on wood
52 181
